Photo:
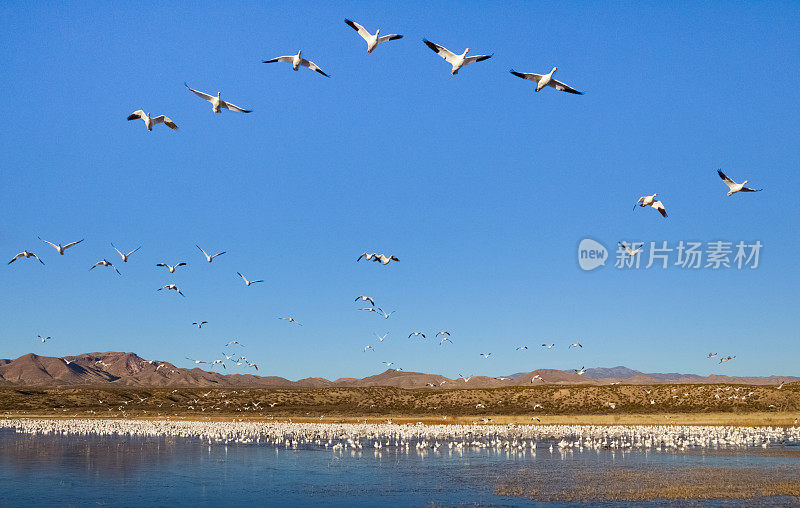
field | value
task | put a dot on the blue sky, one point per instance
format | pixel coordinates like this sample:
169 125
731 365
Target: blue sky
482 188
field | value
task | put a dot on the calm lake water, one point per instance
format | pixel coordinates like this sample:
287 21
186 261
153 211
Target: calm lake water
38 470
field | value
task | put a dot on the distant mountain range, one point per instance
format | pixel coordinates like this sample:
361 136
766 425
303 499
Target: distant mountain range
130 370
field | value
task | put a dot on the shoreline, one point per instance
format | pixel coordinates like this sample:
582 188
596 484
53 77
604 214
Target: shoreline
754 419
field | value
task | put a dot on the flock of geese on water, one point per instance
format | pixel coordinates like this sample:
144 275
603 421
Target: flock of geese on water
453 438
457 62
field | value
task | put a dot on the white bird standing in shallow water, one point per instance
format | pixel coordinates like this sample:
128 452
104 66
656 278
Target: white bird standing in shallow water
248 282
372 40
651 201
543 80
125 256
150 122
735 187
25 254
210 258
171 268
60 248
218 104
105 262
457 61
297 61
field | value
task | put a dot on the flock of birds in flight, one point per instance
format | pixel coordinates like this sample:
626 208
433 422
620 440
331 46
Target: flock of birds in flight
457 62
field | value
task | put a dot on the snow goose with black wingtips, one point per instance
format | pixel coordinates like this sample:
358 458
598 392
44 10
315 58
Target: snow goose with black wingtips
217 104
297 61
149 122
457 61
372 40
543 80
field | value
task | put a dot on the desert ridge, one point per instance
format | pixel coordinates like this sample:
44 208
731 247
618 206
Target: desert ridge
130 370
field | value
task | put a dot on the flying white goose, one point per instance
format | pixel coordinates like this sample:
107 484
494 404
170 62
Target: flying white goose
522 348
254 365
549 346
486 355
632 252
220 362
366 299
388 364
200 324
218 104
45 339
367 256
372 40
381 338
576 344
196 362
457 61
25 254
385 315
651 201
385 259
369 348
712 355
233 342
445 339
209 258
735 187
248 282
124 256
443 332
416 334
60 248
580 371
723 360
104 262
297 61
172 287
171 268
543 80
369 309
150 122
290 319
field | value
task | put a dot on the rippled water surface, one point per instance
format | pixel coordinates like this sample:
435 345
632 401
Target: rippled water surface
37 470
